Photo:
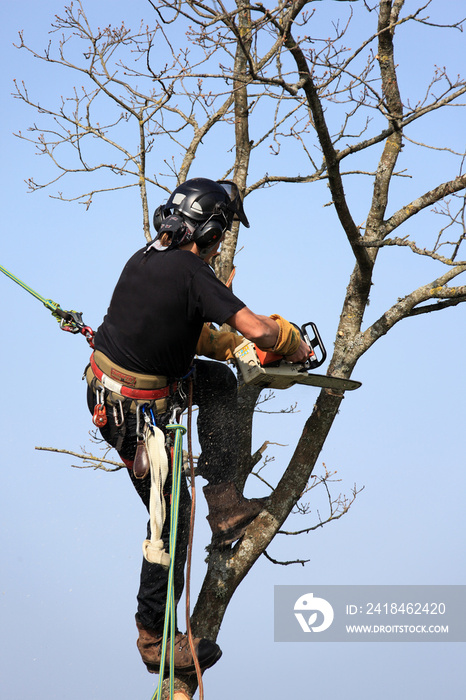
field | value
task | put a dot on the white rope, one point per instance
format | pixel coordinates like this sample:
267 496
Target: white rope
153 549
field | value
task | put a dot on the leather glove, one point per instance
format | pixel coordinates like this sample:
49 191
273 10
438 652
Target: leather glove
217 345
289 337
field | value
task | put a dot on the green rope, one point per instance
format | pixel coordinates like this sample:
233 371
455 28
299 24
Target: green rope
169 627
48 303
69 320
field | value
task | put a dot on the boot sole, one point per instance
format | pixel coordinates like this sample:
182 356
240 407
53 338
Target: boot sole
229 536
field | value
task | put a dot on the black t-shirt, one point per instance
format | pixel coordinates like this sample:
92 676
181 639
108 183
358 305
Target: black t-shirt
157 310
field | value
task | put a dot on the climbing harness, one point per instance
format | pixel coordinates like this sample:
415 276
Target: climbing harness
71 321
123 391
127 391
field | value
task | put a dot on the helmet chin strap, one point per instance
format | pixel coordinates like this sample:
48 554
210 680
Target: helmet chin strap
204 252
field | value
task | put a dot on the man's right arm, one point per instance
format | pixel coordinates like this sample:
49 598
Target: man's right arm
265 332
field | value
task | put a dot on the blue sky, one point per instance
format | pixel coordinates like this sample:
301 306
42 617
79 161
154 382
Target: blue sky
71 539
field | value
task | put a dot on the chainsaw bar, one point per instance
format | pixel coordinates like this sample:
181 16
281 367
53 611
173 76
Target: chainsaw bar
284 374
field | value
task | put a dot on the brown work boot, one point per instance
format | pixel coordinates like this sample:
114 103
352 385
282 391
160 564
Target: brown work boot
150 648
230 512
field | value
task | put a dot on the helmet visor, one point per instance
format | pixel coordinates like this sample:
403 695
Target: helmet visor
236 205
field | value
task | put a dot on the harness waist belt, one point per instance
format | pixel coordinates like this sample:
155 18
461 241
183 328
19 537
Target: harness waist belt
129 392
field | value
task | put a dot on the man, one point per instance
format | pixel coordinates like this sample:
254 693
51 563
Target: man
147 344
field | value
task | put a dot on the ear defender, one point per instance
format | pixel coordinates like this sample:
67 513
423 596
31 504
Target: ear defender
208 235
158 217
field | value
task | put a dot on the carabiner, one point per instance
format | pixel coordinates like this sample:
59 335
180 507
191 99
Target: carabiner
138 422
119 419
181 392
149 417
88 333
175 415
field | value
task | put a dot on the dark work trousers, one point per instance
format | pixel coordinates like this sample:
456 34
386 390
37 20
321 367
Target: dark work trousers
215 394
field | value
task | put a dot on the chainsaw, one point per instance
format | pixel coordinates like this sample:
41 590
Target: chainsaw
267 369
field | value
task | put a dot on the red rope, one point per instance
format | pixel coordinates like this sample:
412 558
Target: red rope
190 544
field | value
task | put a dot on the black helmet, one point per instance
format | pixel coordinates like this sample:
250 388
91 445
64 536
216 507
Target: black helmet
200 210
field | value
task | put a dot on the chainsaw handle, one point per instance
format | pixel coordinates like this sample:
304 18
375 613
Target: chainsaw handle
316 342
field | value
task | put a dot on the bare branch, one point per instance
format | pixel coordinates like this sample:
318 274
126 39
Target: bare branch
437 289
425 200
89 460
403 242
337 506
429 308
303 562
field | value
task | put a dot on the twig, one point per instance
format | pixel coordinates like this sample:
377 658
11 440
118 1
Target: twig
86 457
286 563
